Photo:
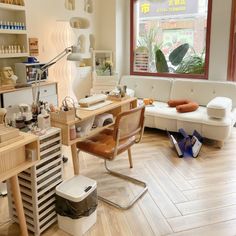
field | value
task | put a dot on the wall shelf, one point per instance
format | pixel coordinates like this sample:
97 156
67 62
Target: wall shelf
70 5
11 31
88 6
11 7
13 38
79 23
13 55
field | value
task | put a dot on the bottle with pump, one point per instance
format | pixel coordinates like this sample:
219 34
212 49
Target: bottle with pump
44 120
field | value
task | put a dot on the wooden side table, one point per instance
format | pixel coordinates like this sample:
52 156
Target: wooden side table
15 158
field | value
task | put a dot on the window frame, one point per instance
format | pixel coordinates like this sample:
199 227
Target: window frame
172 75
231 74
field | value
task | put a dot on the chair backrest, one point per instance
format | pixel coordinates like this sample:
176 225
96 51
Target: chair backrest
129 124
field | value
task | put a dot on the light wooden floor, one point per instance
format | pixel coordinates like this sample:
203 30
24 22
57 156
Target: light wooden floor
186 196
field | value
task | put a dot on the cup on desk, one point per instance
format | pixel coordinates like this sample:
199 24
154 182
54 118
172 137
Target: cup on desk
148 101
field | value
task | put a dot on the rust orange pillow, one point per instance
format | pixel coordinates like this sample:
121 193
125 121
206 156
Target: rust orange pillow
191 106
174 103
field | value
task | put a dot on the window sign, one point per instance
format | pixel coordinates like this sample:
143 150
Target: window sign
167 7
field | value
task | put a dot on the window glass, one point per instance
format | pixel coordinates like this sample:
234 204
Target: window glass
170 36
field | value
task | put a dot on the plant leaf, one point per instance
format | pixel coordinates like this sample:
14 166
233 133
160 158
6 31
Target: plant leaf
161 63
177 55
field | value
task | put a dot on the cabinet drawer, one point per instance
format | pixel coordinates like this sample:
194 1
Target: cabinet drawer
17 97
48 90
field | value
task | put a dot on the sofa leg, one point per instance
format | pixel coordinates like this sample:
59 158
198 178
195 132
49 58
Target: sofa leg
219 144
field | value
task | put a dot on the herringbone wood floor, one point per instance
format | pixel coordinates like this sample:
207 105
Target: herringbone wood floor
186 196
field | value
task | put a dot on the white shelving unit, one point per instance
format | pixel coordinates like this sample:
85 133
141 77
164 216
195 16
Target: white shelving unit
37 185
13 34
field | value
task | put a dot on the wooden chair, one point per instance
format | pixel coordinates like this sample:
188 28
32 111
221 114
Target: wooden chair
108 144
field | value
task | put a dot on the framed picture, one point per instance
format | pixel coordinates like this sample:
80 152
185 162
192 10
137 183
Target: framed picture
33 46
102 62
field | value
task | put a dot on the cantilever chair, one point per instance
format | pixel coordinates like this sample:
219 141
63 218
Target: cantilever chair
128 130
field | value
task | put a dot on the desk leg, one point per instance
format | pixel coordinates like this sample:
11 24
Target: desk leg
18 203
75 158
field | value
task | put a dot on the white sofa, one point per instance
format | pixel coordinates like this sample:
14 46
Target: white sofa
163 117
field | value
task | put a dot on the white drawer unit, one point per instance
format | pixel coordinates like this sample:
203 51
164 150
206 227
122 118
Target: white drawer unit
48 93
48 90
37 185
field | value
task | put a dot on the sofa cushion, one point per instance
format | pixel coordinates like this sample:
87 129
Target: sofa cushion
174 103
149 87
189 107
219 107
191 89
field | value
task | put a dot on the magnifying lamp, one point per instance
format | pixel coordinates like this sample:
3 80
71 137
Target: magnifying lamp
72 53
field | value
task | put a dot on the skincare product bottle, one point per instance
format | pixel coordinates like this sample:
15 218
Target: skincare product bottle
44 120
72 132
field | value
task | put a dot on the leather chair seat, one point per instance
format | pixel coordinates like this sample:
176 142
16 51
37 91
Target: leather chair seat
103 145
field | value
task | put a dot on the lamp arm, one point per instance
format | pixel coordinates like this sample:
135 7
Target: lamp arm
56 58
44 68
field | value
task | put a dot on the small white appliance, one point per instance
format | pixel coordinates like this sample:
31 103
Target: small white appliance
27 72
103 119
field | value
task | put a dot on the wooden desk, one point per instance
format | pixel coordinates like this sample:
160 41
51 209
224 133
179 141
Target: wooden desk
13 161
114 108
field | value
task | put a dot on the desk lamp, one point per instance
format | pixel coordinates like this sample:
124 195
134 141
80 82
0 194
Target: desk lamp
73 55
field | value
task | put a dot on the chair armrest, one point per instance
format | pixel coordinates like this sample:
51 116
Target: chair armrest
219 107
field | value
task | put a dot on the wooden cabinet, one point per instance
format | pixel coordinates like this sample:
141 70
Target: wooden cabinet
25 149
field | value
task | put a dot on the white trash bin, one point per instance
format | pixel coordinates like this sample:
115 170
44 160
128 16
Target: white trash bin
76 203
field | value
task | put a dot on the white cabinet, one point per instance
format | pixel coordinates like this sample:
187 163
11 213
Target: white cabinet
13 31
48 93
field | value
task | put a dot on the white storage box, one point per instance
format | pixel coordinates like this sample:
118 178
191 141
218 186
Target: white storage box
76 203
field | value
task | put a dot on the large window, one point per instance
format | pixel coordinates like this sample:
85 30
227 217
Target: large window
170 37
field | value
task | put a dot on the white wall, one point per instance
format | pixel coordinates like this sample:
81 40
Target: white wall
112 31
220 32
49 22
105 30
122 40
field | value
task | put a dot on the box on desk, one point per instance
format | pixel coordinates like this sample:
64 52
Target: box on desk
63 116
117 98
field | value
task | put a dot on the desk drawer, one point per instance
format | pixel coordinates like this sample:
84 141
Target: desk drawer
48 90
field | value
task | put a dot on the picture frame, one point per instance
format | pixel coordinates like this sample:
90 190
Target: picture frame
102 62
